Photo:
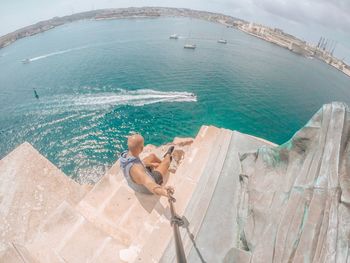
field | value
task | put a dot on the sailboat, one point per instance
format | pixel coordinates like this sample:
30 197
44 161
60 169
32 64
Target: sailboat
189 45
222 40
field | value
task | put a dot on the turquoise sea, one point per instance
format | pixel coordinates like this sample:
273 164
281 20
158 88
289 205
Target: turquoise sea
100 80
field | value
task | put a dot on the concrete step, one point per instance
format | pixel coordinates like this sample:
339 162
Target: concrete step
53 233
190 171
110 252
16 253
186 181
68 237
196 210
218 240
104 188
87 243
107 203
198 205
31 188
114 216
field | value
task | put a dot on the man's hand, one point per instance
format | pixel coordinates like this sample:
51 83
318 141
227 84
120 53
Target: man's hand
170 190
153 165
140 177
163 191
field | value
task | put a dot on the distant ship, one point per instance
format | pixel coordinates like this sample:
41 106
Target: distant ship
190 46
222 41
174 36
26 61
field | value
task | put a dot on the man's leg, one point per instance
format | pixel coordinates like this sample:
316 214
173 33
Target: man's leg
151 159
164 165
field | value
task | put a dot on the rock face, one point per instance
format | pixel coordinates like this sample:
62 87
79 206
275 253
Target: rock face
294 198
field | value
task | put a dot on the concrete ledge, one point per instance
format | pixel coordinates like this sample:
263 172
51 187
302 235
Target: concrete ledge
31 187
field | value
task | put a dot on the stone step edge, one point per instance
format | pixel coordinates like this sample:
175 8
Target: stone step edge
218 136
70 231
192 211
103 223
199 211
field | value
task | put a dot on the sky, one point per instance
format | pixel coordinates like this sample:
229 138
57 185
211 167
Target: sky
306 19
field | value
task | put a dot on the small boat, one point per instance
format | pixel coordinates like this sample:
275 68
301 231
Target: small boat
26 61
174 36
222 41
190 46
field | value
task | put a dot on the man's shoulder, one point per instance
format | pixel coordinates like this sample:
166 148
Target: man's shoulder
127 160
138 173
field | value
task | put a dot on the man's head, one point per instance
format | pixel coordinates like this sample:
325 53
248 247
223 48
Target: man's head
135 144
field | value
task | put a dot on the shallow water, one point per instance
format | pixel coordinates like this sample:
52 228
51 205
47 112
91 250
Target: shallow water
100 80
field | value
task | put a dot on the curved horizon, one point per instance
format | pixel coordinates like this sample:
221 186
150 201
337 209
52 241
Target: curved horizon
107 9
323 50
342 49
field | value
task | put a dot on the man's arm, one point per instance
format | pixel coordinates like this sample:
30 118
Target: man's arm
138 174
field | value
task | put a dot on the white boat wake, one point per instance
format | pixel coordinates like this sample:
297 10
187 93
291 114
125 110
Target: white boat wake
134 98
56 53
100 101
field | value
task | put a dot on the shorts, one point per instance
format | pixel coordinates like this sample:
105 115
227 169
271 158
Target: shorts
157 176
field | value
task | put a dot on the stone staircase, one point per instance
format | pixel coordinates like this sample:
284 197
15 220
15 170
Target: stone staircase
211 212
111 223
218 232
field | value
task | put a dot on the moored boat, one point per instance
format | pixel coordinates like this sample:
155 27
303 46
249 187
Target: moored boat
190 46
222 41
174 36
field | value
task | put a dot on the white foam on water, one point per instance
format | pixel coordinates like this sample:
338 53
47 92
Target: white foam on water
122 97
56 53
59 104
73 49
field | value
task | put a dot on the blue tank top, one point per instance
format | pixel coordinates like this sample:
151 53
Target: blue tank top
126 162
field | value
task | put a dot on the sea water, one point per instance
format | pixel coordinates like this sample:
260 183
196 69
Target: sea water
99 81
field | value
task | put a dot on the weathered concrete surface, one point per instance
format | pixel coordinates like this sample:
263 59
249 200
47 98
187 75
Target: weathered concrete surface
31 187
217 236
294 199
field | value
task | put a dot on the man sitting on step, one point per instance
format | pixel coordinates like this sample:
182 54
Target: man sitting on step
145 176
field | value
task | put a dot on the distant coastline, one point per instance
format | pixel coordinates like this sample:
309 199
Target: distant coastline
272 35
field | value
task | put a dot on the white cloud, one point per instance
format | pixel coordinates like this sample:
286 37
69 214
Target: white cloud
332 14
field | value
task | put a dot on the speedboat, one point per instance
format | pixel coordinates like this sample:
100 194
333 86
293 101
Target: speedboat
174 36
26 61
222 41
190 46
